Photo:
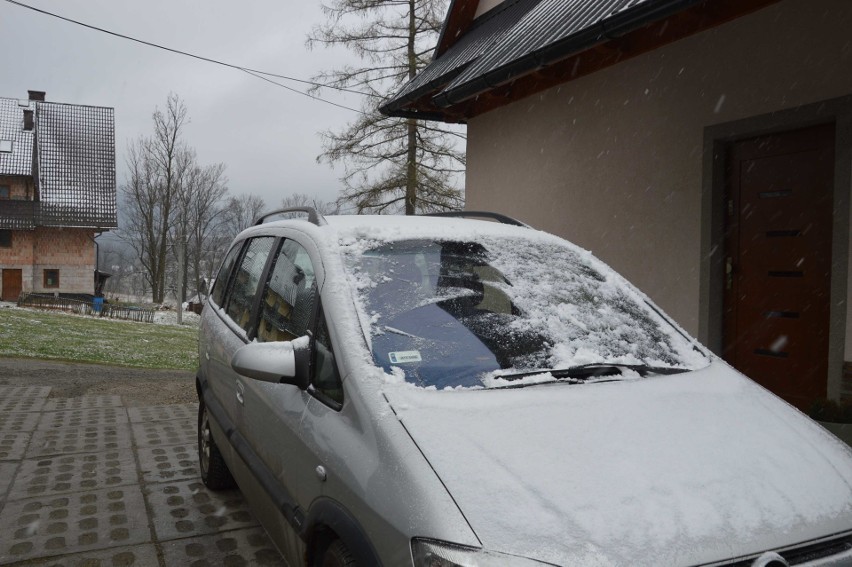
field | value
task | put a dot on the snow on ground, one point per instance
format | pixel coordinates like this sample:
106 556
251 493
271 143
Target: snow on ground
170 318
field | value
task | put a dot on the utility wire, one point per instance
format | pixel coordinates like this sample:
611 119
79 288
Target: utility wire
276 83
253 72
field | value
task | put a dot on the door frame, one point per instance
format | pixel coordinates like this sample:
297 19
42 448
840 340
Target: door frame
21 282
717 138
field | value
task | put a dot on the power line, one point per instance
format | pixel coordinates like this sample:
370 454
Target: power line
268 80
253 72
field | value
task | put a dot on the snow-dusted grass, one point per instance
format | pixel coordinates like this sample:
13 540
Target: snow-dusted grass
30 333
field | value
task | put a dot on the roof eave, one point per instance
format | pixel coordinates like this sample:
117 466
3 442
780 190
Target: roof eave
419 96
598 34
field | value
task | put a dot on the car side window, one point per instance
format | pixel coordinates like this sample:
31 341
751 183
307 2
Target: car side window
324 374
290 296
221 284
246 280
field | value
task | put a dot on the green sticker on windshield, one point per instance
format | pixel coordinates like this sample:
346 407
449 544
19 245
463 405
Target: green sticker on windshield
405 356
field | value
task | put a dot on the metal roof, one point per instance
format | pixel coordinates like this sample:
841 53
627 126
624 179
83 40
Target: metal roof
552 31
485 32
74 164
20 160
518 41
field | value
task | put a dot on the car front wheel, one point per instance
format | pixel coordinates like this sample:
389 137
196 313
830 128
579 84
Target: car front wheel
214 471
337 555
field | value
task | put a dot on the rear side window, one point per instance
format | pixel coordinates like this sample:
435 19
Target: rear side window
218 293
246 280
288 301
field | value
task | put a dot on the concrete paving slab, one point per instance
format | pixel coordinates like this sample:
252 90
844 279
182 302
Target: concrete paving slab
234 548
135 556
74 418
163 413
88 439
83 402
23 398
181 509
18 421
72 523
159 433
86 481
13 445
8 392
168 463
7 474
72 473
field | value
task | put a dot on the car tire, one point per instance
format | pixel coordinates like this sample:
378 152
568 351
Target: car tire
214 471
336 555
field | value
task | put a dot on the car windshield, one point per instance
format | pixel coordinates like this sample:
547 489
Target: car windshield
449 314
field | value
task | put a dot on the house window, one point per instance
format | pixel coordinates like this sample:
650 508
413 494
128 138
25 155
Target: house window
4 192
5 238
6 146
51 278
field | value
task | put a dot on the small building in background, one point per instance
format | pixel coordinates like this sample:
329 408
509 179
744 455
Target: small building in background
57 191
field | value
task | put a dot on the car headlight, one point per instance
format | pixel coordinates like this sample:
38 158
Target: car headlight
430 553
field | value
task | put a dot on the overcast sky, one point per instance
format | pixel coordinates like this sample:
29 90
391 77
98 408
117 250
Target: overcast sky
267 136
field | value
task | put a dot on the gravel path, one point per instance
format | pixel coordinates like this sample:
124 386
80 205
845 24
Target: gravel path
137 387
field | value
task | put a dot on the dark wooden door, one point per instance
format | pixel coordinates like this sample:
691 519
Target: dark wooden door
778 261
11 285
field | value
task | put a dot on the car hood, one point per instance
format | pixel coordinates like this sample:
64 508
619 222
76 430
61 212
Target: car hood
669 470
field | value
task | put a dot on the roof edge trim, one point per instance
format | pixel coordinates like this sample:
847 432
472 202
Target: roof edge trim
599 33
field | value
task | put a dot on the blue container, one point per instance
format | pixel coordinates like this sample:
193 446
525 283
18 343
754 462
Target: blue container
98 304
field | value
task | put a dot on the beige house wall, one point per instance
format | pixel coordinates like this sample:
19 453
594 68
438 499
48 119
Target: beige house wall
614 161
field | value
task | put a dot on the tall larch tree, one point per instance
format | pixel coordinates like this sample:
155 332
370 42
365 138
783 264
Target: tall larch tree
390 164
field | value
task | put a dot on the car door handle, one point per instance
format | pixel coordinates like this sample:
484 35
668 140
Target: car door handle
239 392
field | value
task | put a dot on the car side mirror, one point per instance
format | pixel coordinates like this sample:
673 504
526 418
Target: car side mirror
283 362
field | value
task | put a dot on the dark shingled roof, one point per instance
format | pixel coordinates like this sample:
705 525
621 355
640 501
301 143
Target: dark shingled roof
485 32
74 164
520 37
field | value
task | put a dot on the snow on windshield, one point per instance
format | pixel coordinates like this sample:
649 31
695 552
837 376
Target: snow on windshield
462 310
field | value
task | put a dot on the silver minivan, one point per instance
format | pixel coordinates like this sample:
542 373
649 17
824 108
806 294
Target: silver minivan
439 391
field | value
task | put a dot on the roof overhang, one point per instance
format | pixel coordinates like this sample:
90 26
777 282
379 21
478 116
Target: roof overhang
631 33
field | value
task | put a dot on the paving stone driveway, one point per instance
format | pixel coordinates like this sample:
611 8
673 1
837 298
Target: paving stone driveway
88 482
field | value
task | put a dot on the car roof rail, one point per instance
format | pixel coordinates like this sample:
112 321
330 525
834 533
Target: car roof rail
313 216
502 219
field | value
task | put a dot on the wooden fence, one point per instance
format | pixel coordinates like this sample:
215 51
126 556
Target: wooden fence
128 313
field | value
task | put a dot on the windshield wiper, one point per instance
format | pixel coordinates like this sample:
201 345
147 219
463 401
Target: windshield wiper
584 372
399 332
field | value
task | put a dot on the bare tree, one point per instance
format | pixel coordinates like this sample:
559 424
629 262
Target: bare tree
171 203
206 217
390 164
303 200
241 212
197 216
147 214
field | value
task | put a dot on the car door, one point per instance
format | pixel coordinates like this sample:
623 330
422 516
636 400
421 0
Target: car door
230 322
273 412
